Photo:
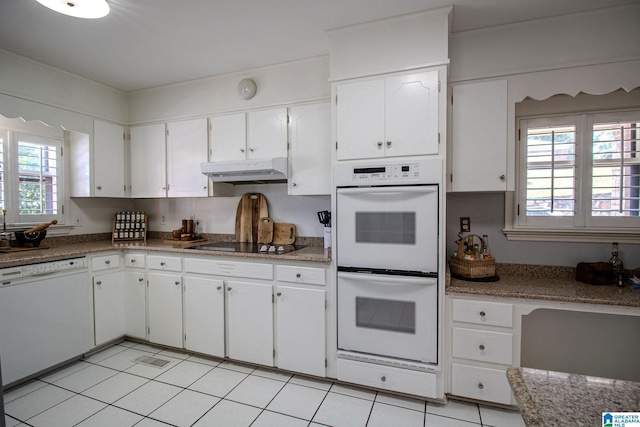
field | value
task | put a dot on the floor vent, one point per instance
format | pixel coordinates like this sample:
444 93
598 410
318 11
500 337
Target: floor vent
152 361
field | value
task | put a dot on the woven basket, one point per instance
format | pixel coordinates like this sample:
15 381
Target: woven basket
472 269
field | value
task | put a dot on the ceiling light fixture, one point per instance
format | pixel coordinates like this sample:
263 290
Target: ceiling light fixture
88 9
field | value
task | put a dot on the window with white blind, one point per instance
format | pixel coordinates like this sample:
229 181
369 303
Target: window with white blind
30 177
579 171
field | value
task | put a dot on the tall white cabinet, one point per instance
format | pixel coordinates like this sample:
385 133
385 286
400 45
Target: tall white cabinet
478 152
310 149
392 116
204 315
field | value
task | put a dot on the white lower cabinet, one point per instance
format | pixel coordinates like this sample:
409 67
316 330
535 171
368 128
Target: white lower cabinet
204 315
165 309
250 322
300 330
481 349
108 307
135 304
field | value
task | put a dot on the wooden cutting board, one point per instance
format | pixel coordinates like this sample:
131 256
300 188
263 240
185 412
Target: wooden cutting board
284 233
251 208
265 230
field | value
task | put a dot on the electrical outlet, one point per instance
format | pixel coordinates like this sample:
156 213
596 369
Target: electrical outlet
77 221
465 224
163 220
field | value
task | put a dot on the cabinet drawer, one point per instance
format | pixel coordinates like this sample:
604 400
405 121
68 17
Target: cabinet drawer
493 347
134 260
387 378
105 262
164 263
480 383
251 270
309 275
483 313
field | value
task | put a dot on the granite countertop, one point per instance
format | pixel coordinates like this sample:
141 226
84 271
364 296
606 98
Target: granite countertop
548 398
544 283
53 252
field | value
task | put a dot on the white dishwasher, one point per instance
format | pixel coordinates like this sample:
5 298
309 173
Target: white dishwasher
45 316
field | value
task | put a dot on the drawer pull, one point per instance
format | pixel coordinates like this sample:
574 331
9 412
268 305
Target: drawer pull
141 279
383 379
481 347
480 386
298 276
162 264
177 283
229 289
98 283
482 314
133 261
279 294
107 262
219 287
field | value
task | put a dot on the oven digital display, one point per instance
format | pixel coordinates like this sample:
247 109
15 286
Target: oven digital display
409 171
380 169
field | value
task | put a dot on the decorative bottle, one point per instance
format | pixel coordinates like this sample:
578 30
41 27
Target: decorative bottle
616 265
486 253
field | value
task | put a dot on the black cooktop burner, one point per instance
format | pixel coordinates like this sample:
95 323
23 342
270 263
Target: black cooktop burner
251 248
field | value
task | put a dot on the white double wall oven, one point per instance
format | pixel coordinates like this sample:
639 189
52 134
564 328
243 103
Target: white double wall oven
387 227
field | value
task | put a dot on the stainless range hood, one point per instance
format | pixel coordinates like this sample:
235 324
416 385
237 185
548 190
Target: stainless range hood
247 171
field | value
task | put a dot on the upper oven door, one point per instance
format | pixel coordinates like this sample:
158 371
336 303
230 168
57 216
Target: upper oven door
393 228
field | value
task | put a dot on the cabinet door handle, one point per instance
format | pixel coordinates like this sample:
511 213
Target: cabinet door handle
503 177
107 262
177 283
219 287
98 283
379 144
251 149
480 386
279 294
481 347
388 144
229 289
482 314
141 279
204 187
294 184
99 187
383 379
242 150
132 261
162 264
298 275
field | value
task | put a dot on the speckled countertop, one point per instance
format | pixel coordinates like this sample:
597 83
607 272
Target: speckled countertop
68 247
544 283
548 398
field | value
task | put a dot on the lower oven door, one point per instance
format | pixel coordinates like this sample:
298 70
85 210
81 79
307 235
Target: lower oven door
390 316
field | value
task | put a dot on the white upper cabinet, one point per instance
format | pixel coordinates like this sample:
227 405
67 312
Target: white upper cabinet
148 161
260 134
310 150
478 152
186 149
228 137
267 133
109 160
98 167
393 116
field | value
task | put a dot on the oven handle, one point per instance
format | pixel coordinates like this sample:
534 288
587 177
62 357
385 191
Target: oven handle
382 190
391 280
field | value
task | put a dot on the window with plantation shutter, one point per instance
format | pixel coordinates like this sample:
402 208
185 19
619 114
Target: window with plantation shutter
38 166
579 172
615 168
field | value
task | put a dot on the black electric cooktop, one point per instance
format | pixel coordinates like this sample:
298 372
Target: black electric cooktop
250 248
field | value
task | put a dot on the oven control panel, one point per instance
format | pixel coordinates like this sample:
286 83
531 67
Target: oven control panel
409 171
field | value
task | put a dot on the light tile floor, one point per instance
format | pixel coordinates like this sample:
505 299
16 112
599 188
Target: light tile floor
109 389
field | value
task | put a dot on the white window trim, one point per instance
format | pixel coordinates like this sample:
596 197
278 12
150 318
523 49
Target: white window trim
12 127
578 233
